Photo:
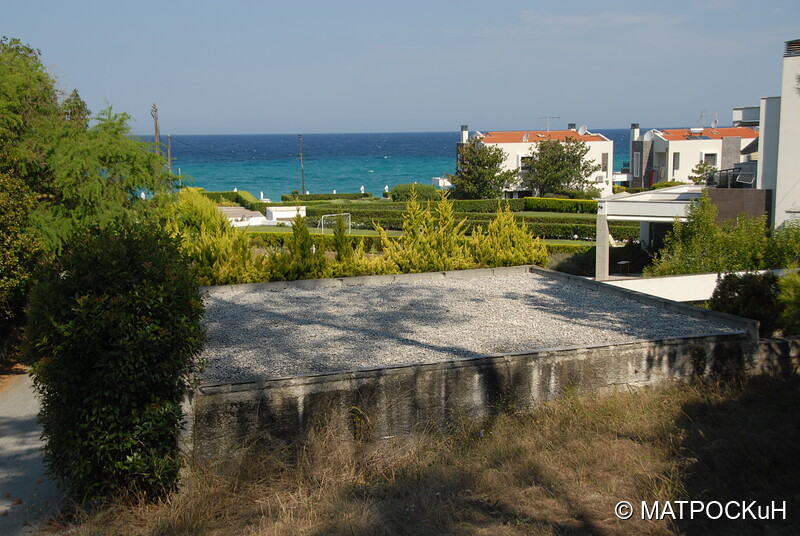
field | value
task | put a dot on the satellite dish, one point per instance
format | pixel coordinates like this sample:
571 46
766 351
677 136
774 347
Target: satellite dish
714 123
648 136
582 130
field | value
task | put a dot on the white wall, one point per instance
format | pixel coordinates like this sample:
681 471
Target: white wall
768 137
516 151
691 152
787 191
680 288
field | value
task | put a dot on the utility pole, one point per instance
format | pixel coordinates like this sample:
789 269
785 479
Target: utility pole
302 167
154 113
547 119
169 153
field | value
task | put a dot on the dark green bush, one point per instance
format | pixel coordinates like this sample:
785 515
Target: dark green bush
542 204
750 295
425 192
115 327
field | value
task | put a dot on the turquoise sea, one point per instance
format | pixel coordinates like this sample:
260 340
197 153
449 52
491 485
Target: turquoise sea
270 163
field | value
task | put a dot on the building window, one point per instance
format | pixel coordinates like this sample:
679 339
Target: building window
604 162
710 158
676 161
637 164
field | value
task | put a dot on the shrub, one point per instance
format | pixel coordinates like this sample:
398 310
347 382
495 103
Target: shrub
617 189
699 245
666 184
783 250
789 297
115 326
750 295
507 243
342 241
303 260
220 254
589 193
424 192
429 243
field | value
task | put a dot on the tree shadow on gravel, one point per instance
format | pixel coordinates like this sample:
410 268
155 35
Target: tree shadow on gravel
271 331
597 310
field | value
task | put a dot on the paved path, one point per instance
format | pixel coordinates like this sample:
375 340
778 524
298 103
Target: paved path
27 497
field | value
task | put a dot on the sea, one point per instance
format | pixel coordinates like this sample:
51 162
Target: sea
268 165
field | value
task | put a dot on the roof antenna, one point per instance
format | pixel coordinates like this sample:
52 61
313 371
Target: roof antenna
702 119
547 119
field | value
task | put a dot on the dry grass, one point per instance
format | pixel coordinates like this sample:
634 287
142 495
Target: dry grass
558 469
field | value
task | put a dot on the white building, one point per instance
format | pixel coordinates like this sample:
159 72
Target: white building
518 145
779 164
671 154
776 188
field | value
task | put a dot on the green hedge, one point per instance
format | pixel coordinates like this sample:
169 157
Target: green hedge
325 242
373 243
425 192
324 197
243 198
574 249
487 205
370 214
558 230
542 204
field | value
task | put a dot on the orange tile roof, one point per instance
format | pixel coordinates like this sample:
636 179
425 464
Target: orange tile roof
677 134
538 135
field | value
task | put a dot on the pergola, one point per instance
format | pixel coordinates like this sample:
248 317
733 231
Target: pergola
664 206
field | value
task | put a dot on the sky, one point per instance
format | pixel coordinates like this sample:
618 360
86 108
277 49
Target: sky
252 67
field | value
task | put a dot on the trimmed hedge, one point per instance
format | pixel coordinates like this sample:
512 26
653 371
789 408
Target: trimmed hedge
325 242
324 197
559 230
243 198
425 192
543 204
574 249
487 205
477 212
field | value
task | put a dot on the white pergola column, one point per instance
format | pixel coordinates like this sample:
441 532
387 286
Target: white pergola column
601 255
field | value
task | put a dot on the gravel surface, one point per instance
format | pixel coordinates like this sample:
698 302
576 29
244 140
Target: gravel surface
264 334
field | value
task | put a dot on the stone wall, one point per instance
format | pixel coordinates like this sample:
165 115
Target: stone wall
380 402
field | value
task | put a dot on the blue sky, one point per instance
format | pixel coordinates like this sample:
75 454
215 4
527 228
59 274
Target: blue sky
367 66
